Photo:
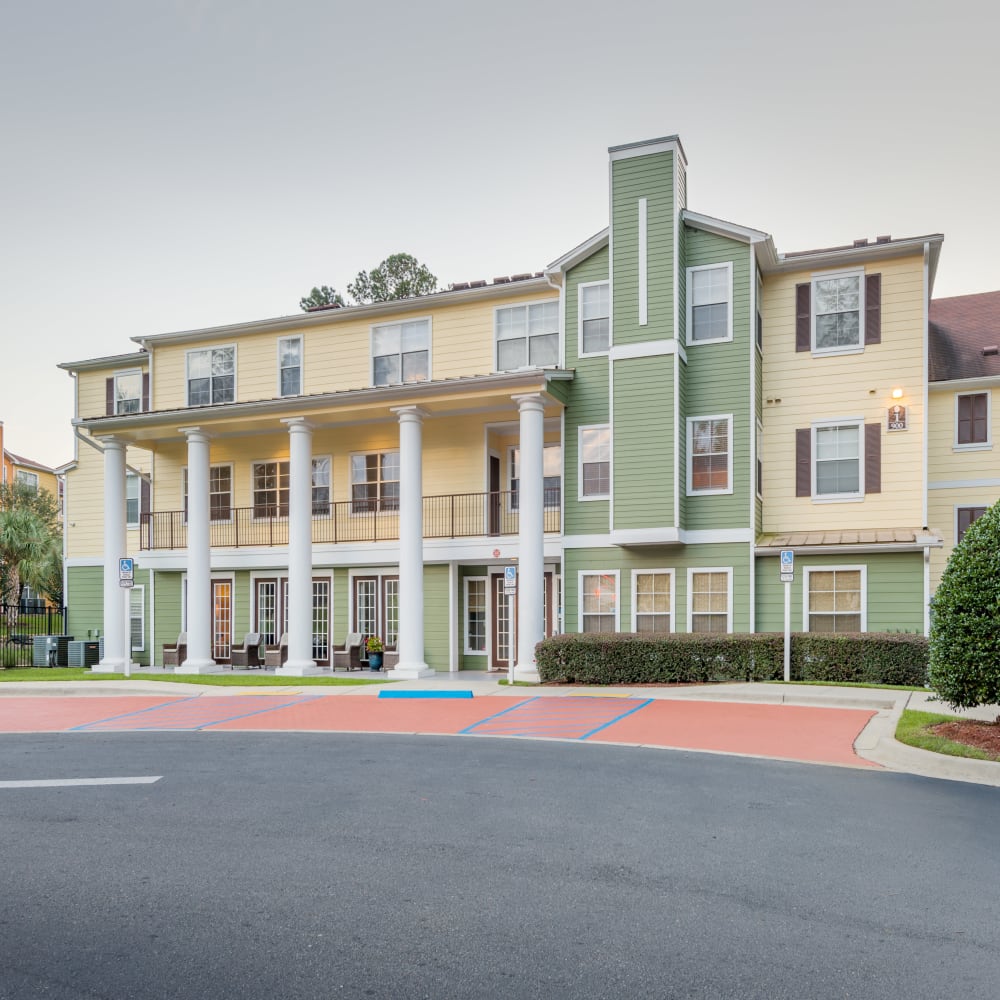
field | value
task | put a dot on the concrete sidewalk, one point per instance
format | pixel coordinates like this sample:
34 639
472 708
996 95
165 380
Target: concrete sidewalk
875 743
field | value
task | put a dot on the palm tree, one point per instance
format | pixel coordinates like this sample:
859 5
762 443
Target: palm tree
30 553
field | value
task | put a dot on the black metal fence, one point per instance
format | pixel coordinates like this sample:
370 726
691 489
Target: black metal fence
21 624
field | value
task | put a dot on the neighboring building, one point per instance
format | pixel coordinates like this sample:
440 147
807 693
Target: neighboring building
28 472
643 426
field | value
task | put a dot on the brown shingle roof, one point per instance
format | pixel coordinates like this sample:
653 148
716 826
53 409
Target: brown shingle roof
960 328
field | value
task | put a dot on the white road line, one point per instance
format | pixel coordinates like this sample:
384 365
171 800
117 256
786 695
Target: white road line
66 782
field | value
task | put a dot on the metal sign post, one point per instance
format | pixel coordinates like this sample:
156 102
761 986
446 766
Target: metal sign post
510 592
787 576
126 580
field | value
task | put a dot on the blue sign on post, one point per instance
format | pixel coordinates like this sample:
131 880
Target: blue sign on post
509 581
787 565
126 572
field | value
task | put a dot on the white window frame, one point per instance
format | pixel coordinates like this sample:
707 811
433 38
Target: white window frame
853 272
187 373
579 319
427 320
967 506
379 499
512 466
139 588
727 266
133 477
691 421
728 570
526 306
232 492
975 445
858 422
579 595
636 573
124 374
808 570
22 477
301 365
485 581
312 476
581 496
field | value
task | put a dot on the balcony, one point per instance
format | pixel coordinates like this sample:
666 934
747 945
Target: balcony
457 515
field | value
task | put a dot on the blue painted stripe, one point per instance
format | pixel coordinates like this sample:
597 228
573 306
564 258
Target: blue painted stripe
490 718
126 715
616 719
259 711
424 694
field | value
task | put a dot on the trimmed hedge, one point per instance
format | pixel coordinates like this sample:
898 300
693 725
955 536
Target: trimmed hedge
699 658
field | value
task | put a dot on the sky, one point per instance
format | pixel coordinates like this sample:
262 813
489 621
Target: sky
177 164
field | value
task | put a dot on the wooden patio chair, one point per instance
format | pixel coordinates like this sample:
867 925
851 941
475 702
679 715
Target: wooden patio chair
174 655
247 653
349 654
275 656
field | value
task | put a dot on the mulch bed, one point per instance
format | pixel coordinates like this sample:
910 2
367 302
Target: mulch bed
983 735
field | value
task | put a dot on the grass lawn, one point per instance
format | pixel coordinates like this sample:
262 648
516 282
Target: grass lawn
913 730
213 680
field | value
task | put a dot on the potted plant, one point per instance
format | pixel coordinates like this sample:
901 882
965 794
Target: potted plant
374 646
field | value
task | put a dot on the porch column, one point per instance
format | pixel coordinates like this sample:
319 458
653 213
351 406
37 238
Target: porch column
199 558
411 546
114 548
300 661
531 535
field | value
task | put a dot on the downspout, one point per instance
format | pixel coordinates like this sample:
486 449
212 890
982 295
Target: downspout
752 582
926 416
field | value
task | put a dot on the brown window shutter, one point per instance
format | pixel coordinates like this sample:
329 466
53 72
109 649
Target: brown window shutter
109 397
145 392
873 458
144 492
803 316
873 309
803 462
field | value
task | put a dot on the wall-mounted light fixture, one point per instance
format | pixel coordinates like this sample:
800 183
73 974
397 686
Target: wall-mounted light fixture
897 393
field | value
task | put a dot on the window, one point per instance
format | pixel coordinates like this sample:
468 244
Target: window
527 336
595 317
321 620
401 352
709 294
835 599
61 492
290 366
321 483
551 470
595 462
837 469
598 602
838 312
964 516
652 601
475 615
270 489
133 492
128 392
375 482
709 600
29 479
220 492
710 457
211 376
137 618
760 459
972 419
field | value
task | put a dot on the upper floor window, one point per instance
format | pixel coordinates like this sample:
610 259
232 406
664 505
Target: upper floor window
375 482
270 487
595 317
595 462
837 467
710 456
401 352
128 392
29 479
972 419
132 497
551 470
290 366
964 516
220 492
211 376
709 303
322 484
838 312
527 336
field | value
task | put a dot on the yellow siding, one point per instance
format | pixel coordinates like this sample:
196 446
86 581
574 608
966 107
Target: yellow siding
946 463
854 385
92 388
941 507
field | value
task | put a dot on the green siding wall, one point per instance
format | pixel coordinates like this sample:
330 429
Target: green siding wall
678 558
643 442
436 616
895 590
340 624
168 611
85 601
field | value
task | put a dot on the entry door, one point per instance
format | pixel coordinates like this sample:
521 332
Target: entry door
494 497
500 651
222 619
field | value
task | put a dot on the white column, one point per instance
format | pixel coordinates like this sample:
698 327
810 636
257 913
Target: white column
114 548
300 603
199 558
411 546
531 534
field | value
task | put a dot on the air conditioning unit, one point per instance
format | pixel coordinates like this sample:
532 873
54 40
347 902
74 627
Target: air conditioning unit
85 654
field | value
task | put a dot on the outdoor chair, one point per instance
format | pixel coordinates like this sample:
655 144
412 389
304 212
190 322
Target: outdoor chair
349 654
275 656
174 655
247 653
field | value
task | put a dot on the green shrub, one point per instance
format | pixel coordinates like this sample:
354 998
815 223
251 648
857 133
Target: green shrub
965 619
698 658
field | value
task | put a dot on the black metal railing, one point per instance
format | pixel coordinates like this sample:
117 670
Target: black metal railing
456 515
21 624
